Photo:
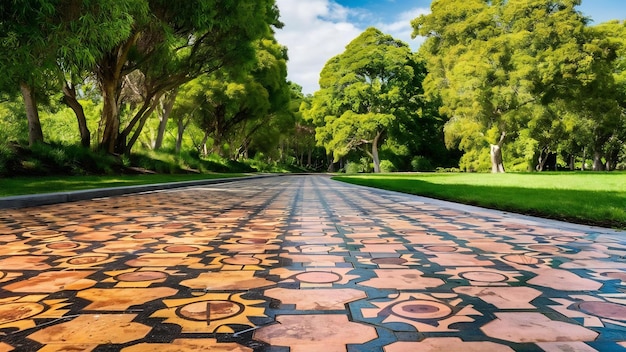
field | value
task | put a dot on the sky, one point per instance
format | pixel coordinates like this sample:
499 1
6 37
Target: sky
317 30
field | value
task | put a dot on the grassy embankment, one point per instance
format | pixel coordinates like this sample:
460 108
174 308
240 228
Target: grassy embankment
584 198
47 184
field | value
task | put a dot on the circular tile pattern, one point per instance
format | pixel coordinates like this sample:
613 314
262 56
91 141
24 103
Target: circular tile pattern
18 311
565 239
44 233
389 261
241 261
210 310
521 259
375 241
318 277
138 276
545 248
421 310
606 310
63 245
442 249
484 276
88 259
180 249
252 241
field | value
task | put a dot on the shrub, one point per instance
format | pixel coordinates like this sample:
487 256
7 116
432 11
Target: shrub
353 168
387 166
420 163
8 159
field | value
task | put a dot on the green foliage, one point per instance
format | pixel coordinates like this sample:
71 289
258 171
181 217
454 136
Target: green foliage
366 94
420 163
53 159
36 185
8 158
509 70
13 127
354 167
387 166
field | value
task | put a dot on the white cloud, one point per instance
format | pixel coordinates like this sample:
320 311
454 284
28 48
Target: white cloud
401 28
317 30
314 32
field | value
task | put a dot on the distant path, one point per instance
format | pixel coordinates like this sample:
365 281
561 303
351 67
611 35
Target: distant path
307 263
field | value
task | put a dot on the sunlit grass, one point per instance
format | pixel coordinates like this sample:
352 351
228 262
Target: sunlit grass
587 198
34 185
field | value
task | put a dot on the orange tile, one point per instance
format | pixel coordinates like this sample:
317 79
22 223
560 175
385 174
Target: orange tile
329 332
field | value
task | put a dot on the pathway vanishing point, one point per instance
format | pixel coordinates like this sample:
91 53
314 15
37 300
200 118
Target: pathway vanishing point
304 263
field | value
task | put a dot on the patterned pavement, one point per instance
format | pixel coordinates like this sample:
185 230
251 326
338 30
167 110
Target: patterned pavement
303 263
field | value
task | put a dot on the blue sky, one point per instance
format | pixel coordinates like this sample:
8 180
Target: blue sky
599 10
317 30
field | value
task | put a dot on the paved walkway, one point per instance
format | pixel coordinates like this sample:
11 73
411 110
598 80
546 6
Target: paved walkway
303 263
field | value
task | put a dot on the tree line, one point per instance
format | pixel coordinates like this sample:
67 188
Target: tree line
143 58
526 81
529 83
531 80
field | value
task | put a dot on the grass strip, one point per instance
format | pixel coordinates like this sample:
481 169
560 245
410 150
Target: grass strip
583 198
49 184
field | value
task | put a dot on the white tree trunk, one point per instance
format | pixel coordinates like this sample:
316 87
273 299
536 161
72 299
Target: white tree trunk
497 164
375 156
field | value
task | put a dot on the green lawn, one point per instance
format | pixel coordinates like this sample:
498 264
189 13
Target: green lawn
585 198
34 185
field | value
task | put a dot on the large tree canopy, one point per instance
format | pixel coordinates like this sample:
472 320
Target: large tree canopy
176 43
46 44
364 91
504 69
158 45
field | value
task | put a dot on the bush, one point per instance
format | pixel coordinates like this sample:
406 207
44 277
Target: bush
387 166
8 159
353 168
447 169
420 163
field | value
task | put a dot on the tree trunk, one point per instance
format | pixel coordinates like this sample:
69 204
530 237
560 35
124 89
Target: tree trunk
110 75
165 112
543 157
110 115
497 163
35 133
179 134
331 163
142 122
572 160
72 102
202 148
598 165
375 156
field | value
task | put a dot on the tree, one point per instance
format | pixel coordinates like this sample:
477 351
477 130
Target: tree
303 134
364 92
245 97
24 25
233 104
171 44
51 44
498 65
